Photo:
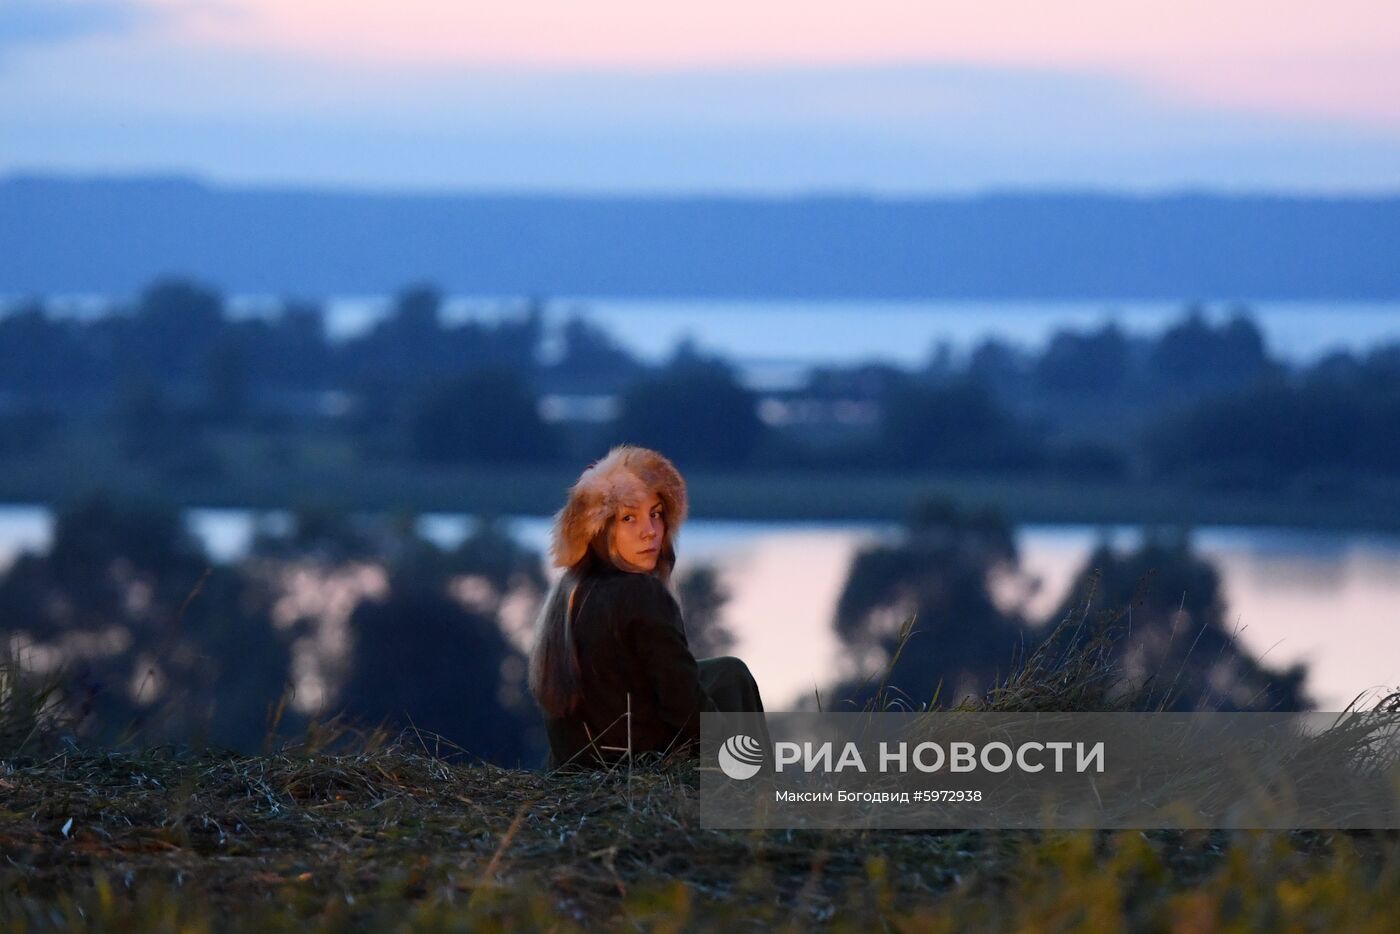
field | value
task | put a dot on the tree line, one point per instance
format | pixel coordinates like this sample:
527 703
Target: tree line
1202 402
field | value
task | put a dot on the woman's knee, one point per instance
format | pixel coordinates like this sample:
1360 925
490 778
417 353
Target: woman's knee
730 664
732 670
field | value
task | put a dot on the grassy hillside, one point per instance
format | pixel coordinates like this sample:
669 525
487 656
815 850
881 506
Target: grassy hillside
394 836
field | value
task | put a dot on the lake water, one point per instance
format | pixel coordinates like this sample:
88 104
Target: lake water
1329 599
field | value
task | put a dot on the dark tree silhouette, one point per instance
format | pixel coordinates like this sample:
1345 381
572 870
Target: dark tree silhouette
591 360
404 350
492 553
153 430
696 411
316 531
423 659
27 426
702 598
227 387
487 416
1000 368
1201 402
1265 434
939 572
1077 363
959 426
176 323
866 382
1192 357
291 349
413 347
41 356
155 639
1174 635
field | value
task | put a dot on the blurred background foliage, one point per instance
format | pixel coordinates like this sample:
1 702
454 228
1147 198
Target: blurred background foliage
177 383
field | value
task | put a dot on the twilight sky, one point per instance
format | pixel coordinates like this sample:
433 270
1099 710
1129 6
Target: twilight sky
773 96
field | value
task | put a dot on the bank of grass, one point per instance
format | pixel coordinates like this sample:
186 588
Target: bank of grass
347 828
391 838
239 470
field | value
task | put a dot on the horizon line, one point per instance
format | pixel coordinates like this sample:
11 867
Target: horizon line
182 178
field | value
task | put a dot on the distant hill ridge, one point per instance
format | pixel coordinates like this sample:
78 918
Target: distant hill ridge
111 235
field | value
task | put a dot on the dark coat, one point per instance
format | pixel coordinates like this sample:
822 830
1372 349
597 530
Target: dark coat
631 641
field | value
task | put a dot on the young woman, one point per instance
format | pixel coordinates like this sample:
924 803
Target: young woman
611 668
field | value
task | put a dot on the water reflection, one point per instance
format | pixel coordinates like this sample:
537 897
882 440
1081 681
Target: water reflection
1329 599
23 528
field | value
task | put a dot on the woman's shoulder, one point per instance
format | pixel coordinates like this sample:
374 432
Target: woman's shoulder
636 584
639 592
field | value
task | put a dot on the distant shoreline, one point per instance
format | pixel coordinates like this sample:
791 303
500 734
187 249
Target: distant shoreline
726 495
105 235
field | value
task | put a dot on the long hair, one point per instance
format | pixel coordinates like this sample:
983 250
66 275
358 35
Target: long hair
556 674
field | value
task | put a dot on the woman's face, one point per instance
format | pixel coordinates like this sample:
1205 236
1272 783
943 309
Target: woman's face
638 532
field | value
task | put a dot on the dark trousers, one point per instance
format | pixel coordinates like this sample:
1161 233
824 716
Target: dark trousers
729 684
732 688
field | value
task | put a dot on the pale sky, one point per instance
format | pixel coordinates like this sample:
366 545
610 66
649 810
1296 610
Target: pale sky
885 96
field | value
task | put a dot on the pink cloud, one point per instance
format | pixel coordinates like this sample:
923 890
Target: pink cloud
1337 59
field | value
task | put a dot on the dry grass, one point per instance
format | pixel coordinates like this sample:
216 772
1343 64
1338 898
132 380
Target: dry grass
386 830
393 837
28 705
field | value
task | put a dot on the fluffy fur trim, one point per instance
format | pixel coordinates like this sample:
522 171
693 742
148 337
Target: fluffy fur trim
627 474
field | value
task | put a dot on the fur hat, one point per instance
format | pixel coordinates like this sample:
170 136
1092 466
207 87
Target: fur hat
627 474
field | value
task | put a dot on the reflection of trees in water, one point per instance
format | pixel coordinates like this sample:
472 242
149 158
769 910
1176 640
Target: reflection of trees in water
415 634
374 619
939 572
702 599
366 617
1168 604
314 603
154 638
945 572
360 616
421 659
